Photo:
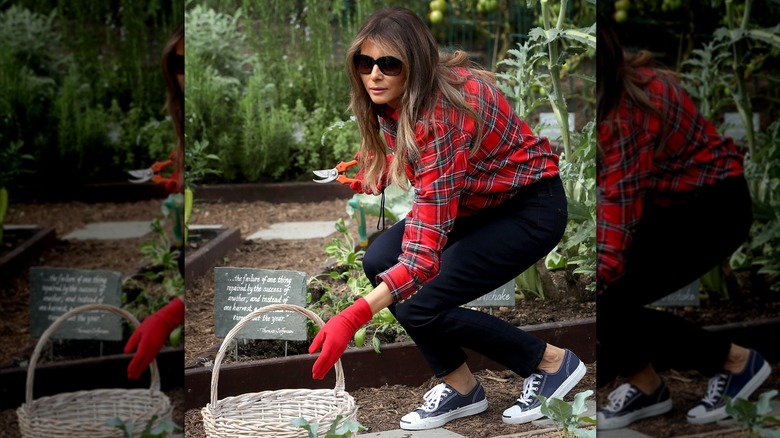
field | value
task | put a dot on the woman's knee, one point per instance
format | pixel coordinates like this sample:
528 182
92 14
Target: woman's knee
383 253
413 316
374 263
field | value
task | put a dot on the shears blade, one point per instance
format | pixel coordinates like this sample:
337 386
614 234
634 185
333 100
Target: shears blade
328 175
141 175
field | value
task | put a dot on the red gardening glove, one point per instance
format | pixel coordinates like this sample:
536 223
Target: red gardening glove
150 336
334 337
357 184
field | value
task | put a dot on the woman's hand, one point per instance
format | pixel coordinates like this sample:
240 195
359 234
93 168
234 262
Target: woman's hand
334 337
150 336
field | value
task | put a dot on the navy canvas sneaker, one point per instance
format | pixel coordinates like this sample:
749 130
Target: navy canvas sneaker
443 404
713 406
628 404
558 384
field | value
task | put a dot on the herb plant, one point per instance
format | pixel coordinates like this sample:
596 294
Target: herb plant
567 417
161 429
345 430
751 417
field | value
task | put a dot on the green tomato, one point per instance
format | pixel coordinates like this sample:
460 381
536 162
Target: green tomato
622 5
438 5
175 337
386 315
436 17
620 16
360 337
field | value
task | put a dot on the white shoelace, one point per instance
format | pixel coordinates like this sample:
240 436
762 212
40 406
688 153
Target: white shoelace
714 389
618 397
434 396
530 386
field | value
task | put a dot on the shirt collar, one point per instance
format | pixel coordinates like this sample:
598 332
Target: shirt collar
386 112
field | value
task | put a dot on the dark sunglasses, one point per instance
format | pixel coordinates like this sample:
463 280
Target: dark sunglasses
388 65
176 63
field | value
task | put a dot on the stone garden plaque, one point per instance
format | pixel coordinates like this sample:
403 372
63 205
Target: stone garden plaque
239 291
503 296
687 296
55 291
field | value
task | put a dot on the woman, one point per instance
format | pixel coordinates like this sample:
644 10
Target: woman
150 336
488 203
665 181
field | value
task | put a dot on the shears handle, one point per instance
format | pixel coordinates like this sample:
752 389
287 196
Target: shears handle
342 167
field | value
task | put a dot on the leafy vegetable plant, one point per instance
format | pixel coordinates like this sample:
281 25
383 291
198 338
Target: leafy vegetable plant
345 430
568 416
752 417
161 429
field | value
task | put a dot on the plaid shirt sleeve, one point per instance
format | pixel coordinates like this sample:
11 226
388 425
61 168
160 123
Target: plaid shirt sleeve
630 169
438 183
449 181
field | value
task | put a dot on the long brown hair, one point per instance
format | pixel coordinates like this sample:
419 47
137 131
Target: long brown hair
174 99
402 34
619 79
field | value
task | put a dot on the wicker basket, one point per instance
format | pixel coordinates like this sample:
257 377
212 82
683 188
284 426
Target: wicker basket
270 413
85 413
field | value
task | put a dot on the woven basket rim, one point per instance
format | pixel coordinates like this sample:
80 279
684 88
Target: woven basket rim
273 426
249 317
37 417
155 372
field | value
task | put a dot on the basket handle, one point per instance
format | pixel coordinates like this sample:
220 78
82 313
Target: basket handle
244 321
155 383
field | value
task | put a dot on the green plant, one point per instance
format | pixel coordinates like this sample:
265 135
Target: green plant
397 203
162 273
197 165
704 79
522 79
555 37
529 284
559 46
763 178
752 417
14 165
568 416
152 429
342 249
345 430
738 38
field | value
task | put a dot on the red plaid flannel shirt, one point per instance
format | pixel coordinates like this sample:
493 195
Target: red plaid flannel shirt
448 183
629 170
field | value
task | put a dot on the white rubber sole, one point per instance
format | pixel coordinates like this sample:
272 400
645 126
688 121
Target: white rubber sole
699 416
441 420
625 420
536 413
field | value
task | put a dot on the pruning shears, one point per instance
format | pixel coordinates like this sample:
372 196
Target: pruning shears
337 173
151 173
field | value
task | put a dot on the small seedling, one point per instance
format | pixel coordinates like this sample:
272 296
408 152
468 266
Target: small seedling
753 416
161 430
567 416
346 430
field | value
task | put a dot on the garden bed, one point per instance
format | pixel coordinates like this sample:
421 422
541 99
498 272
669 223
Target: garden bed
21 244
205 246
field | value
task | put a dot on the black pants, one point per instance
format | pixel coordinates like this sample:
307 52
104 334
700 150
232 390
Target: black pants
672 247
483 252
